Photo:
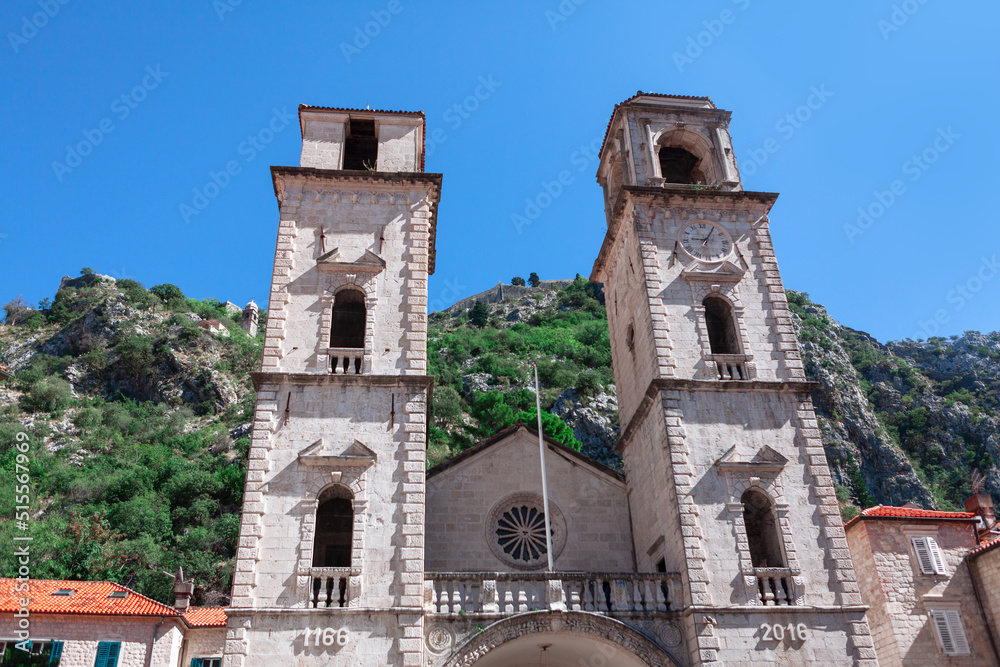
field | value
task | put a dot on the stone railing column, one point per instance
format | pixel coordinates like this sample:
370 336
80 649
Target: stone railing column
491 601
555 596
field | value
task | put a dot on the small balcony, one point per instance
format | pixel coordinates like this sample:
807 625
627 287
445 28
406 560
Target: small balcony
730 366
499 594
330 587
775 586
346 360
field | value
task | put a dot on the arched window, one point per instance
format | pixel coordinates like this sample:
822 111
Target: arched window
721 326
678 166
334 528
763 538
348 328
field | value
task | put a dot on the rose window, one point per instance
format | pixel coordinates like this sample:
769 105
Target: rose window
521 533
515 531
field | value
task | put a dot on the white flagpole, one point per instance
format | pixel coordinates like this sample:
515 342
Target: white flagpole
545 486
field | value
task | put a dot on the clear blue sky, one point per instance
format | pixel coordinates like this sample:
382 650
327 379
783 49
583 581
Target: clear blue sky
901 76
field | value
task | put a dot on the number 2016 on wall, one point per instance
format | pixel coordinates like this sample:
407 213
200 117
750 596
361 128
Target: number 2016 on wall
777 632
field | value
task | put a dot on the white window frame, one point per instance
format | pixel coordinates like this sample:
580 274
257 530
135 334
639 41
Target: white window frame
950 631
930 559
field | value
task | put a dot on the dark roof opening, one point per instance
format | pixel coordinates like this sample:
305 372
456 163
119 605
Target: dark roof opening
677 165
360 145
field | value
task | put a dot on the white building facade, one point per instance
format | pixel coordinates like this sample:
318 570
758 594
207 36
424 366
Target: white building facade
722 544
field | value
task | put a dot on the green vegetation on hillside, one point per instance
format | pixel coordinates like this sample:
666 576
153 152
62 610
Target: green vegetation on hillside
131 479
568 339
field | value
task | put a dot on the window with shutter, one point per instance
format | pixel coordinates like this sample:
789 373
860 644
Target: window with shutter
936 556
56 653
951 632
929 555
107 654
195 662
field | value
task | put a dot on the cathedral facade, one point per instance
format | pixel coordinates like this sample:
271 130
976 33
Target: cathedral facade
722 542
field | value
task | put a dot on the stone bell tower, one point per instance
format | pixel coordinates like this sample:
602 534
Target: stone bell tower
329 567
727 477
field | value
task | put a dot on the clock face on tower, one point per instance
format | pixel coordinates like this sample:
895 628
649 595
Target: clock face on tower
705 241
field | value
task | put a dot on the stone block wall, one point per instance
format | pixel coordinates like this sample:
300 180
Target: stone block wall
393 225
592 503
986 569
400 139
908 595
202 643
81 635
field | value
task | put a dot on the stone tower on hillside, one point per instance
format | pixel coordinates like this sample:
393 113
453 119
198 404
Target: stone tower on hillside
251 315
329 568
727 479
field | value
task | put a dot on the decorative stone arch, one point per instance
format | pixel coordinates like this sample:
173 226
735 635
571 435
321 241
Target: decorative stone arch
729 292
614 633
335 281
762 474
694 141
353 480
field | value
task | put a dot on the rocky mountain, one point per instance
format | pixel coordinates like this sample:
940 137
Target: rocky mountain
906 421
137 406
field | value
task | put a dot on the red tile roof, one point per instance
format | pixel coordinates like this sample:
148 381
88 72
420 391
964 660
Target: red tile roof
206 617
984 547
914 513
890 512
88 597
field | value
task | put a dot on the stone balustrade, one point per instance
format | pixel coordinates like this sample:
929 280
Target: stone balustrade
346 360
731 366
504 593
775 586
331 587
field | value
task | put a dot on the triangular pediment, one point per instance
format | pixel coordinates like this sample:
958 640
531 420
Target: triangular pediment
367 263
764 458
353 454
724 271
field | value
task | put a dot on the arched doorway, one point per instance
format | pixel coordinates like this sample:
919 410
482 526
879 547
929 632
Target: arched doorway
568 639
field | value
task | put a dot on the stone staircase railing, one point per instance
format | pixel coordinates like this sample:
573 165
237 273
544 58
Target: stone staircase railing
508 593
